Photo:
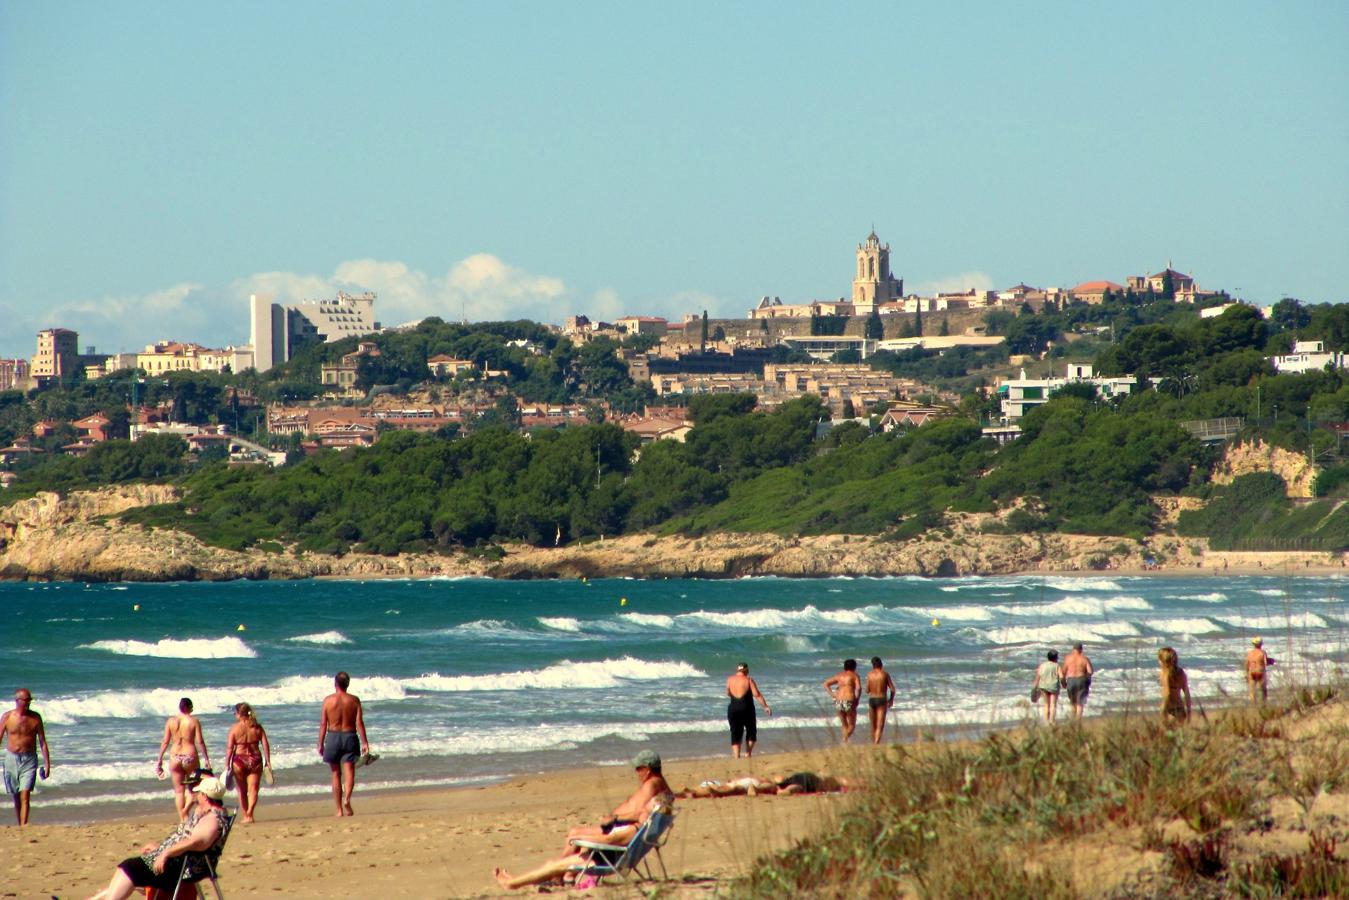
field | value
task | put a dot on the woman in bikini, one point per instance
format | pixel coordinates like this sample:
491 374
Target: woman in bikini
1174 684
247 754
183 731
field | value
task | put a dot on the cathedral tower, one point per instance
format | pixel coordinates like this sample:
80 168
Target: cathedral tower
874 283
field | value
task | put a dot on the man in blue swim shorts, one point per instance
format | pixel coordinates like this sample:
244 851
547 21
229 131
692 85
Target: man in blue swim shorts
22 732
342 722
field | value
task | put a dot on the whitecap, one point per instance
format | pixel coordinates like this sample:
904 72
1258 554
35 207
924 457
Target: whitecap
174 648
1215 597
327 638
560 623
1190 626
607 673
1094 632
1275 622
647 620
133 704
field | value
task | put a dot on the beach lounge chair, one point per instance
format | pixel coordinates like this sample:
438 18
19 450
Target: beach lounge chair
188 887
622 860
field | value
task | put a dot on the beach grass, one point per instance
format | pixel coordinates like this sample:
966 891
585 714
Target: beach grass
1180 809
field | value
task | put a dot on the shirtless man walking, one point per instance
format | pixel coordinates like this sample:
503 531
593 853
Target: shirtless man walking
844 689
1076 670
880 697
341 723
23 733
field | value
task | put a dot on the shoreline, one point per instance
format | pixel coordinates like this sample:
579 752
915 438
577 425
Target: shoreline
446 841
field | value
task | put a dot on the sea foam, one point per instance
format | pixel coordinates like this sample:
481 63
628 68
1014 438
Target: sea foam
608 673
174 648
324 638
1094 632
1270 623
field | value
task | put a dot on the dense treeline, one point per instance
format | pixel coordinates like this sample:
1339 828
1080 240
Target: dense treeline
1082 464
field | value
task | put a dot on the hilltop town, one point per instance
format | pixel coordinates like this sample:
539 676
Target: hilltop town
691 426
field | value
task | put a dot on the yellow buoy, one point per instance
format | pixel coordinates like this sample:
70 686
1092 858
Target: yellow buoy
241 627
935 623
135 607
623 602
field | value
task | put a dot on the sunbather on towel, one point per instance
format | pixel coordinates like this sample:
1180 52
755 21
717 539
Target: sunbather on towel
628 816
796 783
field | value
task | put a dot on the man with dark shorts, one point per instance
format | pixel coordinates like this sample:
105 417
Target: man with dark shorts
340 725
844 689
23 733
880 697
1076 672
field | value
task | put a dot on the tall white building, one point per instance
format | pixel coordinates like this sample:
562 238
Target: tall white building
277 329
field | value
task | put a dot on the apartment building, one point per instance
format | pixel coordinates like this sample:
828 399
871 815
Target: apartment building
57 354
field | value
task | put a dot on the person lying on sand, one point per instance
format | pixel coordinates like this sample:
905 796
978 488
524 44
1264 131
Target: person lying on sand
796 783
652 793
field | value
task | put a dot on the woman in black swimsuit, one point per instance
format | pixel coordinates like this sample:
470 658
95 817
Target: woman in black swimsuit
740 711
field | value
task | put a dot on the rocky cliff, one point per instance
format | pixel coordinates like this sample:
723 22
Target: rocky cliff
80 538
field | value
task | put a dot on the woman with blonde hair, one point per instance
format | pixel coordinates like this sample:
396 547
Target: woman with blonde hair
1174 684
247 755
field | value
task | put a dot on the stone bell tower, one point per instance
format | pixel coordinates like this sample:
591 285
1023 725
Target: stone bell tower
873 282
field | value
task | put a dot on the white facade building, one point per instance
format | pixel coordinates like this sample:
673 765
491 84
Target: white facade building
1023 394
1307 356
278 329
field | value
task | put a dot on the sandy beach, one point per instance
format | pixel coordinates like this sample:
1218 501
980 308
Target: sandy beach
441 843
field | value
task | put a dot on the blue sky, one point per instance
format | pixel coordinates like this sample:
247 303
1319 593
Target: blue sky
161 161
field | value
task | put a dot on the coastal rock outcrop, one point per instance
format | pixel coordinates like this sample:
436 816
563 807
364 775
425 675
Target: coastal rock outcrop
1256 456
79 538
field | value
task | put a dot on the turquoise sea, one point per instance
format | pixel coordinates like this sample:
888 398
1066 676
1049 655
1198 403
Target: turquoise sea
466 681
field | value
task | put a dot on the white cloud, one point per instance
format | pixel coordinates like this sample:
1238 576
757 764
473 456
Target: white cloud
481 287
951 284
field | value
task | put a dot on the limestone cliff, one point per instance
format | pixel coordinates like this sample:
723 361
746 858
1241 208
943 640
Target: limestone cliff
1256 456
79 538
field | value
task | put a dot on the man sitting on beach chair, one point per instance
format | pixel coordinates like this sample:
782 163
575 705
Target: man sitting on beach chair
651 794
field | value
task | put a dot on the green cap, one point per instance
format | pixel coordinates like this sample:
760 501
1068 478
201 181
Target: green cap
648 759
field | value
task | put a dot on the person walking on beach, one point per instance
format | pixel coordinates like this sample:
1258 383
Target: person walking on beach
246 755
740 711
23 734
1076 671
184 733
880 697
844 689
1174 685
340 724
1257 663
1047 683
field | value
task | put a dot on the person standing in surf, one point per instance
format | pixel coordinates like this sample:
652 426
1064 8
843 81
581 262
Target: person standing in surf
184 733
880 697
341 722
246 755
844 689
740 711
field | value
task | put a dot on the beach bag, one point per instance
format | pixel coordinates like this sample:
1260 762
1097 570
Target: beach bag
1035 694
